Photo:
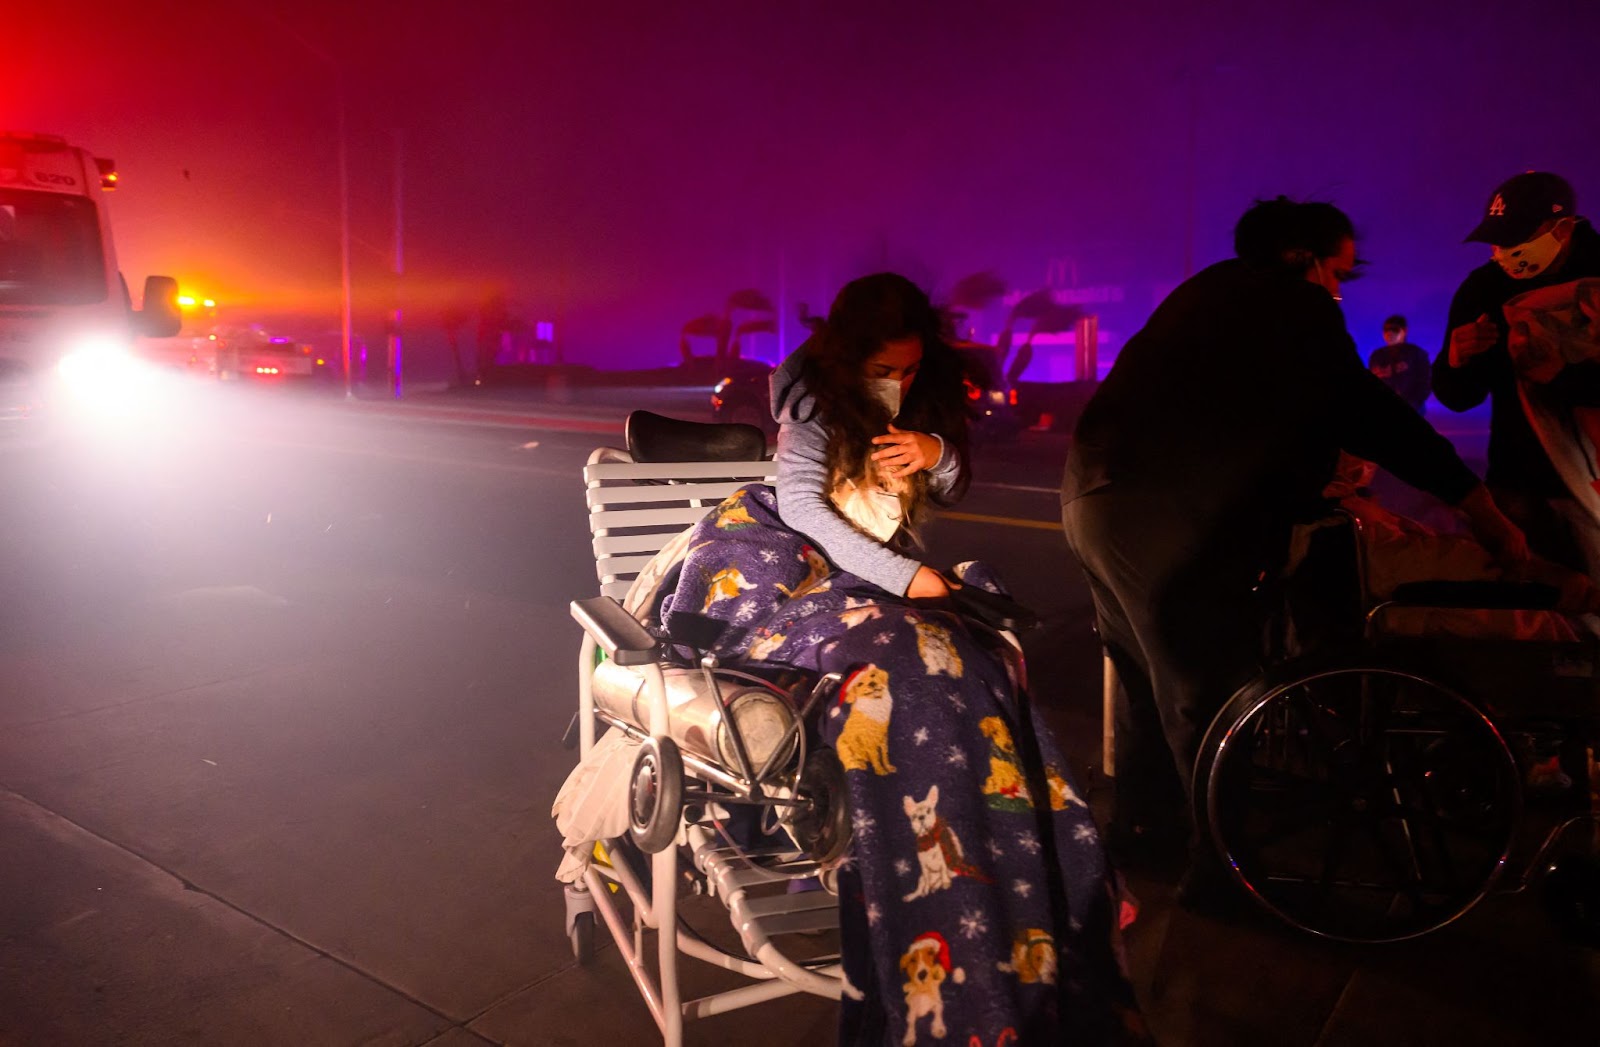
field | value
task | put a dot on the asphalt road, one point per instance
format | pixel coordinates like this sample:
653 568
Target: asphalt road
281 688
283 691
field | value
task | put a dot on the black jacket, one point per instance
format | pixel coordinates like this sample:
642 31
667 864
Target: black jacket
1403 368
1517 461
1235 398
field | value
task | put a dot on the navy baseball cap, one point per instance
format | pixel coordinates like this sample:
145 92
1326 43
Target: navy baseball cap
1522 204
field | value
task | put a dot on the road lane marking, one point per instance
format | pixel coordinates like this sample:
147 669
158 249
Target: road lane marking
1026 488
1003 521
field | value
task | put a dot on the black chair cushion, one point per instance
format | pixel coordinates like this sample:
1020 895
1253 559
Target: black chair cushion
656 438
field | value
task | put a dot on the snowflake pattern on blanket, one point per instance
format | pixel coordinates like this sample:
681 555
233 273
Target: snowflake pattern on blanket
976 906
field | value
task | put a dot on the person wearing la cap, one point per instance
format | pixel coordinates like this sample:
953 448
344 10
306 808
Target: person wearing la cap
1536 239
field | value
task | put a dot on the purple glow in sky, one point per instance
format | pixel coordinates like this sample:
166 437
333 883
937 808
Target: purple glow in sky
619 168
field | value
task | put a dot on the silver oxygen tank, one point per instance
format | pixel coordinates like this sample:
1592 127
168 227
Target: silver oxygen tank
694 717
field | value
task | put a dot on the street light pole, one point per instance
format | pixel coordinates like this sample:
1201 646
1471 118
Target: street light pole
344 236
396 362
254 11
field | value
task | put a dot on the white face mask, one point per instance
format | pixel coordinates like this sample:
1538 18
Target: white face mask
1525 261
887 392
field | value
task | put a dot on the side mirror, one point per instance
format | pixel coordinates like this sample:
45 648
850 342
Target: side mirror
160 317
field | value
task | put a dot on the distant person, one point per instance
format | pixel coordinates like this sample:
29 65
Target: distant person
1404 367
494 321
1537 239
1217 430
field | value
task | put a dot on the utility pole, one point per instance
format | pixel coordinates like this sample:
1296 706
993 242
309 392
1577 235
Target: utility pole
396 361
321 55
344 231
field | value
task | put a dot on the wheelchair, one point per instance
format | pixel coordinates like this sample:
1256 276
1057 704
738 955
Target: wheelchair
717 751
729 796
1368 786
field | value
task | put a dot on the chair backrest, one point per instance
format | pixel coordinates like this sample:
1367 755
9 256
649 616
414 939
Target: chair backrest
636 508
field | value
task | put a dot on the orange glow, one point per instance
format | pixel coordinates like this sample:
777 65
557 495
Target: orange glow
186 300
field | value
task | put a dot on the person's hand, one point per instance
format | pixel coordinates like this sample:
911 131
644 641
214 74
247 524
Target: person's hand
928 584
1504 539
901 453
1472 339
1507 544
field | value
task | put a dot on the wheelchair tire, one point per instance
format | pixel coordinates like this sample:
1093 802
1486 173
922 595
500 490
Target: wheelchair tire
655 795
822 826
582 936
1360 802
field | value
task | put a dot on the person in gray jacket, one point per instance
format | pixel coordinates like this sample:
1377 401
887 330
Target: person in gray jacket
873 429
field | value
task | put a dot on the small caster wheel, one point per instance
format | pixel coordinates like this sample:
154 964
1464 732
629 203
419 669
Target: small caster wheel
582 935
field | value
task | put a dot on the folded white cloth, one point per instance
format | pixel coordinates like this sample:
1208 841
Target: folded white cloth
593 802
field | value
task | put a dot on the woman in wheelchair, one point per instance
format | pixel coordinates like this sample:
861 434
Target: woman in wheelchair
976 904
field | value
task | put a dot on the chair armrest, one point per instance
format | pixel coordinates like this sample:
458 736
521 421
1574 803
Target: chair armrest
616 631
993 610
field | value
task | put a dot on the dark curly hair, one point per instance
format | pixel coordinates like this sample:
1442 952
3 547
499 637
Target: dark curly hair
1290 235
869 312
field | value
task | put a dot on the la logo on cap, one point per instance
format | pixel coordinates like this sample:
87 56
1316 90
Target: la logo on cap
1498 205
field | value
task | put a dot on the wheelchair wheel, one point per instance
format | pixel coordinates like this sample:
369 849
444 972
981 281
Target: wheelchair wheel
822 826
1358 803
655 795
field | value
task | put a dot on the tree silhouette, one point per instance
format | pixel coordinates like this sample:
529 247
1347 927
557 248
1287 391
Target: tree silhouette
709 325
1047 316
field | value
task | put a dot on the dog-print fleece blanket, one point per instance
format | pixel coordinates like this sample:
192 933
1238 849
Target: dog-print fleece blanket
976 905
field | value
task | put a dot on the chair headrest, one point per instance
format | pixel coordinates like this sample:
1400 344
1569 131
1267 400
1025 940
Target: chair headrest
656 438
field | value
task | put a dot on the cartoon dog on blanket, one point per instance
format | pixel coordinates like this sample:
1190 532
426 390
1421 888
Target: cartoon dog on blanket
926 965
938 849
864 741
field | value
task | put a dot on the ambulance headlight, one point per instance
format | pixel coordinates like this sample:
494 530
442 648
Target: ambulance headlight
101 375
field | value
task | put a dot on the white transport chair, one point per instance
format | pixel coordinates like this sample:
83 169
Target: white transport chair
708 745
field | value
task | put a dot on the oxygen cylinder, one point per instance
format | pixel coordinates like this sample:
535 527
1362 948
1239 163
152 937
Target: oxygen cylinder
694 717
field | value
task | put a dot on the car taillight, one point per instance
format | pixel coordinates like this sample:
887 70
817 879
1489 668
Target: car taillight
1013 398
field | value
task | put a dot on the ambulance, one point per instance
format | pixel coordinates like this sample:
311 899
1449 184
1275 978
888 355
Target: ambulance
67 321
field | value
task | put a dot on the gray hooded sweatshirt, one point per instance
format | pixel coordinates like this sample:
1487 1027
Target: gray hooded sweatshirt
803 486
